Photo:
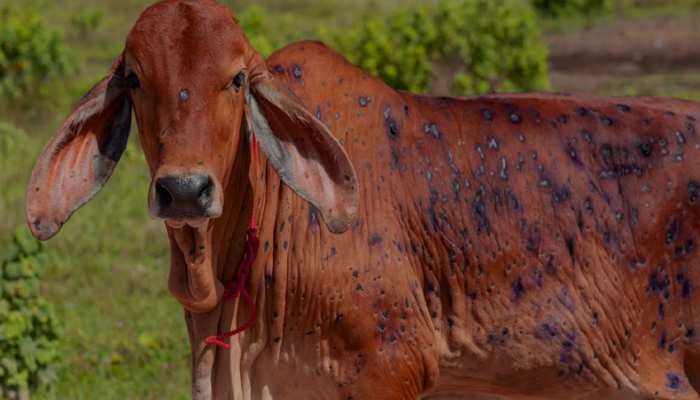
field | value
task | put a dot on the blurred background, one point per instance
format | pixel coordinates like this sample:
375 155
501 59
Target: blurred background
88 315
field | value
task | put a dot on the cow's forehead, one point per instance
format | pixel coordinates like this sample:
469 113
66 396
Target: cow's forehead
189 32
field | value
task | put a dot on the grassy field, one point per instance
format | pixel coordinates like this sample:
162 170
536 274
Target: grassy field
124 334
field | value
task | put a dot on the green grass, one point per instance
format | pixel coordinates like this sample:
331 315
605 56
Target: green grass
124 335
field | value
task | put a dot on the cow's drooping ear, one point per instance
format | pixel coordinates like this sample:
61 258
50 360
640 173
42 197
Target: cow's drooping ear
303 151
81 155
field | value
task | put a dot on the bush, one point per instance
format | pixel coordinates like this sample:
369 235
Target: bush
252 20
87 22
28 326
398 50
482 46
30 53
572 8
498 44
17 153
269 32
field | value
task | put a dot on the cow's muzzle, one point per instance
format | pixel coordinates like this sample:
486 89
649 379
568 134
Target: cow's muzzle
185 197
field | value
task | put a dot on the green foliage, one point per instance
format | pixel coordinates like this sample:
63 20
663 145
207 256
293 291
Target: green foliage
481 45
398 49
17 152
498 43
29 329
30 53
573 8
252 21
268 32
87 22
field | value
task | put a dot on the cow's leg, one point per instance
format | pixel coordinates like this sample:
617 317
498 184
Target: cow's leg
203 356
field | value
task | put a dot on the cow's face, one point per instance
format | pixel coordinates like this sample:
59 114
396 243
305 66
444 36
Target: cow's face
188 80
198 91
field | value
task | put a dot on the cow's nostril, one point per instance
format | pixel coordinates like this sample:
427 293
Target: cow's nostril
204 197
163 196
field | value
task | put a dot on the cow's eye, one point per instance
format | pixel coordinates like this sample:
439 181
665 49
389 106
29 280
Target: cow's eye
133 81
238 80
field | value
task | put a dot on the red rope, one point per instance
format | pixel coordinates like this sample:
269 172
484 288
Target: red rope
237 287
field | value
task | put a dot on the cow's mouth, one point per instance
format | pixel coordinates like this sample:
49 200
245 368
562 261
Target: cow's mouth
191 238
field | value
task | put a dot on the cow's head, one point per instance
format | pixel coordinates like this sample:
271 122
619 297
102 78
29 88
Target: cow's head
198 90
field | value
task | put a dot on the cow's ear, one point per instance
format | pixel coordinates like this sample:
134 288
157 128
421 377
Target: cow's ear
307 157
81 155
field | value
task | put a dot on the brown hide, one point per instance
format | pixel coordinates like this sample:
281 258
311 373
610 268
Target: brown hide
508 246
520 246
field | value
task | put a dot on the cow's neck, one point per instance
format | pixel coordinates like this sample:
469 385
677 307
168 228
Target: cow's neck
229 231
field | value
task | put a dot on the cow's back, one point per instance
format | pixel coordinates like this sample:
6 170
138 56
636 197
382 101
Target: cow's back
546 240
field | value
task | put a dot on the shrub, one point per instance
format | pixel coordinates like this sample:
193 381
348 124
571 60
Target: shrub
572 8
87 22
497 44
398 50
483 45
267 32
30 53
17 152
28 326
252 20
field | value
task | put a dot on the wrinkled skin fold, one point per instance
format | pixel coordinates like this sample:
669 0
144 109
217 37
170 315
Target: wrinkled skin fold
508 246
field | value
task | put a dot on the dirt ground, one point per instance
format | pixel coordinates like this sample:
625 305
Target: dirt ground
655 55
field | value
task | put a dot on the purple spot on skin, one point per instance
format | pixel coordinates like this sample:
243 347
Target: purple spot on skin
313 216
375 240
587 136
493 143
673 231
662 341
624 108
607 121
690 333
296 71
518 289
487 115
646 149
549 330
390 123
685 291
693 191
673 381
432 130
184 95
657 284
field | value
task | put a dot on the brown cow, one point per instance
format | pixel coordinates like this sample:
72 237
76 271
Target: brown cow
524 246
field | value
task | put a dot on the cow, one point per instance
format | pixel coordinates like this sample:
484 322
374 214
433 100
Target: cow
505 246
